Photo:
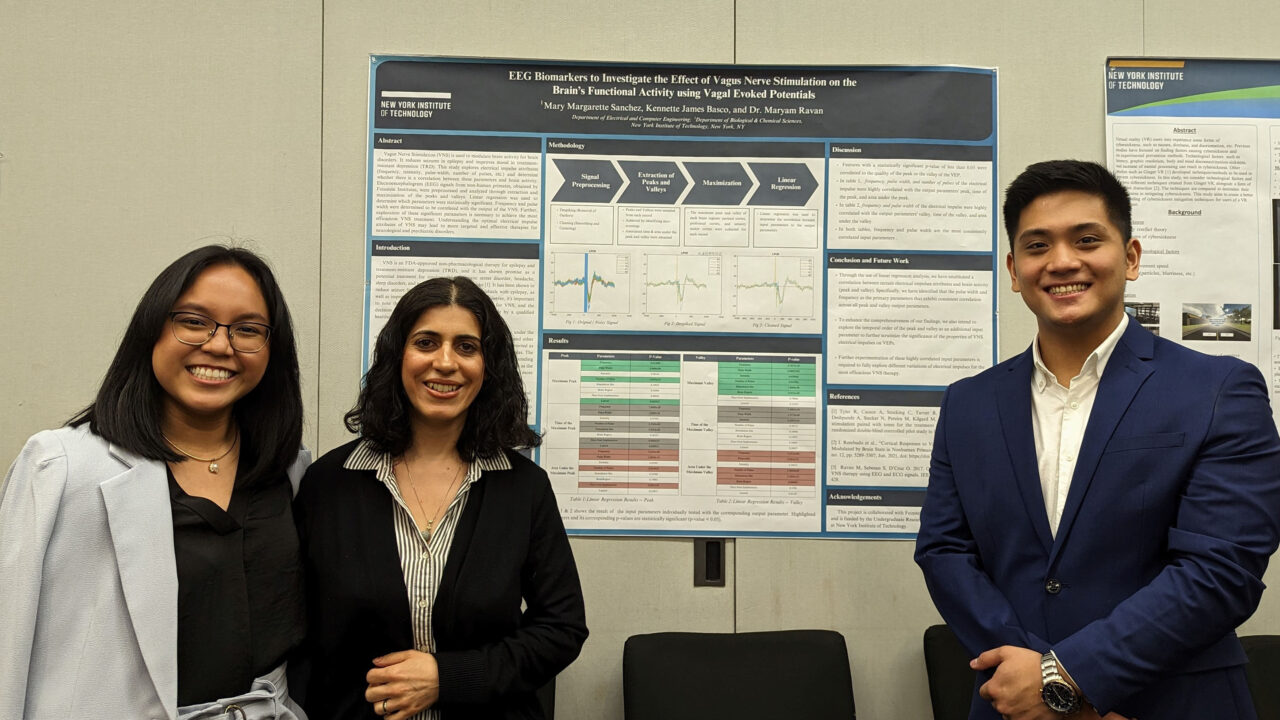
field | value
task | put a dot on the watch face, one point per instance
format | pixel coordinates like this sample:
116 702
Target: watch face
1060 697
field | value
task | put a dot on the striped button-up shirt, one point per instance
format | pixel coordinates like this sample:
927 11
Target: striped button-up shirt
422 559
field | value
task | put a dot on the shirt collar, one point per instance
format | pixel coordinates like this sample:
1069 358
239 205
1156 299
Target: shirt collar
365 457
1094 365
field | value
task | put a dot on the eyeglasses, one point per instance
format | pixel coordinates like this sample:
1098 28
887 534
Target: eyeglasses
196 329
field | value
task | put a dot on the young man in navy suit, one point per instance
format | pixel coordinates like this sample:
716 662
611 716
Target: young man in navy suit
1102 507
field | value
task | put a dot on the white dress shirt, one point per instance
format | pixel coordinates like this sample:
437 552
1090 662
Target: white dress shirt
1059 416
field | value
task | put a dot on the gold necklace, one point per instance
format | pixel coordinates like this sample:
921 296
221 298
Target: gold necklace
448 495
213 462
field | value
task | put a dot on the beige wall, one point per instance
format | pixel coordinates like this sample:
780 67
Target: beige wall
133 131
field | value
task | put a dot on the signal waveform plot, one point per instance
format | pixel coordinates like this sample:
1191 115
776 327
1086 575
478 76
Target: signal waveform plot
781 286
590 283
682 284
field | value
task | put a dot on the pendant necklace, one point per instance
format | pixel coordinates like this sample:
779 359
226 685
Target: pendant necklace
213 462
448 495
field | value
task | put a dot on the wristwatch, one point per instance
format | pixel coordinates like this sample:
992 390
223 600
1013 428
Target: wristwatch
1057 693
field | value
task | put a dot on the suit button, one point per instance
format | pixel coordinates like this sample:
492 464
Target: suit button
1052 586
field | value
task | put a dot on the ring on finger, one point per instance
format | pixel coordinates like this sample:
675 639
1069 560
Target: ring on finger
384 706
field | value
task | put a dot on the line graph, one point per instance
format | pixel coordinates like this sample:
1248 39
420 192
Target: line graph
682 284
590 283
778 285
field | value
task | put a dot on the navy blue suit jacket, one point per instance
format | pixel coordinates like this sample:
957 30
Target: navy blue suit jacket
1172 514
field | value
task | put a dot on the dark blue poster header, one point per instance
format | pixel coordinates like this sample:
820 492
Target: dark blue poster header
955 104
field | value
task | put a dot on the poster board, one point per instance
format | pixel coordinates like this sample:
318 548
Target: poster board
1197 144
736 292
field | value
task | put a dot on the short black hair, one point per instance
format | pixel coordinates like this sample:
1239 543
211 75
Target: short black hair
1051 176
129 405
497 418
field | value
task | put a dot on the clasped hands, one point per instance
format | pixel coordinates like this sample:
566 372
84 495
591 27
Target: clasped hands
1014 687
403 684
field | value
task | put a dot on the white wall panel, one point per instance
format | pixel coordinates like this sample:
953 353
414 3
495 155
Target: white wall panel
871 592
1185 28
633 586
132 131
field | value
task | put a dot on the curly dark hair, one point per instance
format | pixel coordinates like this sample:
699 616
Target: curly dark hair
130 401
497 418
1051 176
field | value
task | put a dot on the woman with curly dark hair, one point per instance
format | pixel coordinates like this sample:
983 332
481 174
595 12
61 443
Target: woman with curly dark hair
422 538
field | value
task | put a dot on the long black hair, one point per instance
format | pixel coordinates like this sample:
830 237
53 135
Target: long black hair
497 418
128 408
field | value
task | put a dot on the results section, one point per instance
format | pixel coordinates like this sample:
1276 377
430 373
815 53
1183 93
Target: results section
694 437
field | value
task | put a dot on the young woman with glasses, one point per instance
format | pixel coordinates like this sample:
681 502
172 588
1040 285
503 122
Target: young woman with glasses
148 551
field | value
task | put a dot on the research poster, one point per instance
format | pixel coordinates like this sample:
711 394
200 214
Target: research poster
736 292
1197 143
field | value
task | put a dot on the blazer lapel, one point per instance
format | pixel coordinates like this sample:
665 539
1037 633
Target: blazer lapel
1013 399
140 519
444 612
1126 371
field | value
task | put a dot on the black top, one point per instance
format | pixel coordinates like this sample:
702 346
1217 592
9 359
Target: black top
493 655
240 597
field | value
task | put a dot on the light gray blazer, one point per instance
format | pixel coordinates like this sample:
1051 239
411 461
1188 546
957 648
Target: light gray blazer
88 581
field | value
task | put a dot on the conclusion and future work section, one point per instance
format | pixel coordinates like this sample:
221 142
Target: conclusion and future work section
736 293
